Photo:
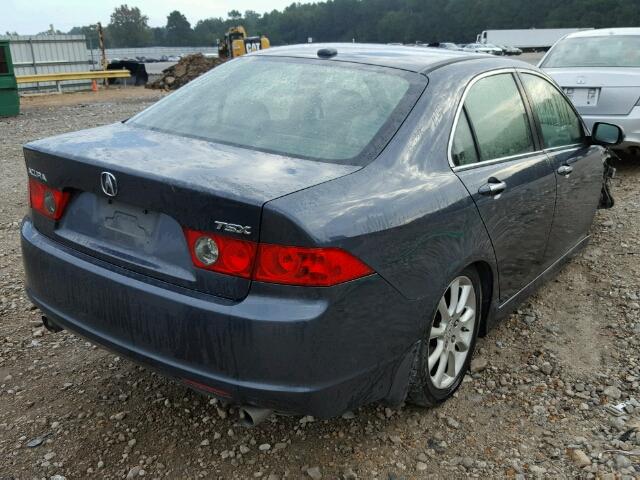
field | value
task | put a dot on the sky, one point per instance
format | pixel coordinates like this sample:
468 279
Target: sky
28 17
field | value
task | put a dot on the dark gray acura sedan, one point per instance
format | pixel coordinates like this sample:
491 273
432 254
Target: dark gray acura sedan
312 228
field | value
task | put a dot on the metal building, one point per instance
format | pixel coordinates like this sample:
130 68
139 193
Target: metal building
49 54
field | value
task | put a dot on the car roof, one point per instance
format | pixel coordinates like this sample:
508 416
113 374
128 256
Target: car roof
403 57
603 32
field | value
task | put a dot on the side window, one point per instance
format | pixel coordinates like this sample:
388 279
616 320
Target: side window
463 149
498 117
559 123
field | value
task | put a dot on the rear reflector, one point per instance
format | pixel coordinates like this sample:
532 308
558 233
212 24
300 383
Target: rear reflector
46 200
313 267
207 388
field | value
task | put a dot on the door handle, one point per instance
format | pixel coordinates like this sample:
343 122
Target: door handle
564 170
492 188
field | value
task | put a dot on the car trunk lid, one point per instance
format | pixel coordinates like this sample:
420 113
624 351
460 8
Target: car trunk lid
163 183
600 91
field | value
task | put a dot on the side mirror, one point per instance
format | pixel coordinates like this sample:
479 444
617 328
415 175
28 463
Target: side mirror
607 134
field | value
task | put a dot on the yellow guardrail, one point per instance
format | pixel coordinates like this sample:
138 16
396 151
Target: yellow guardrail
65 76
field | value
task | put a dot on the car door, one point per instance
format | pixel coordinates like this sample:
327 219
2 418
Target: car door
578 165
496 155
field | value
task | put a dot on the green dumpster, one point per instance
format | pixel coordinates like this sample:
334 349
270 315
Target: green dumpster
9 100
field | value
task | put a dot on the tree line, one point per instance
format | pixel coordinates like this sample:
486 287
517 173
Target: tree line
382 21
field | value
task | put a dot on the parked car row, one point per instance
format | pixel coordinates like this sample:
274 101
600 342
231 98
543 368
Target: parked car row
492 49
144 59
478 48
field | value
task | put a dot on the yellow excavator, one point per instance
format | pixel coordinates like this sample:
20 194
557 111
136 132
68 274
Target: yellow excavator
236 42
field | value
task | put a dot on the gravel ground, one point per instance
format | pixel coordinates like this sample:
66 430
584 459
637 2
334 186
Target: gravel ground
534 405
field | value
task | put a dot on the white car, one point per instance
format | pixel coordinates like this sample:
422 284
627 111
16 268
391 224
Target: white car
483 48
599 70
447 46
508 50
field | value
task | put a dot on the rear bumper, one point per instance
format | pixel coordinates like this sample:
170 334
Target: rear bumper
630 124
291 349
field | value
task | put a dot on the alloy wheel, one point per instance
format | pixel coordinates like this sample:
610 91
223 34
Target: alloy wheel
452 332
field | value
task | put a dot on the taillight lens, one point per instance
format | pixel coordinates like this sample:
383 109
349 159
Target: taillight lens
221 254
313 267
321 267
46 200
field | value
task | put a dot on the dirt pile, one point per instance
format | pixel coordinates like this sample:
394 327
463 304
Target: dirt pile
188 68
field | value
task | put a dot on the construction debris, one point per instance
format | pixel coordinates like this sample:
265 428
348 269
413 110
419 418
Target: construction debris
188 68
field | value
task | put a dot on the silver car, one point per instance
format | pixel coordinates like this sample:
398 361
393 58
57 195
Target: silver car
483 48
599 70
449 46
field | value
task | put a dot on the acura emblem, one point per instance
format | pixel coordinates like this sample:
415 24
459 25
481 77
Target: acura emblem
108 184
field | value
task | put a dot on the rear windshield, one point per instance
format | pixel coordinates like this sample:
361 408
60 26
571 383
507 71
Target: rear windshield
325 110
609 51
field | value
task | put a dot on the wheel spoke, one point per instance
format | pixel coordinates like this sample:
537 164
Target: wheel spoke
463 344
444 310
462 302
451 364
436 332
469 314
460 359
437 378
455 294
433 358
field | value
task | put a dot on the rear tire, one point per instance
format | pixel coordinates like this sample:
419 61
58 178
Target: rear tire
446 349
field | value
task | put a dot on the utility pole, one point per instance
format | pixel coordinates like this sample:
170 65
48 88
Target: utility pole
103 54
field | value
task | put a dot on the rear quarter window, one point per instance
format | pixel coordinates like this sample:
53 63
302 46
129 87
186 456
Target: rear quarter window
498 117
463 150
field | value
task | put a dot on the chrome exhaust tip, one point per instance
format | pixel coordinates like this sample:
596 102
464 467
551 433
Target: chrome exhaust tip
49 325
252 416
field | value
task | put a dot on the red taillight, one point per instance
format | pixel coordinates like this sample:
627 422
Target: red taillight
234 257
317 267
46 200
321 267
